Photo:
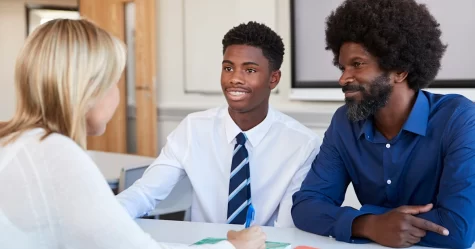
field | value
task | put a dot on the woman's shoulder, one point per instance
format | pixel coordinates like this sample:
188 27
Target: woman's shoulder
36 138
50 148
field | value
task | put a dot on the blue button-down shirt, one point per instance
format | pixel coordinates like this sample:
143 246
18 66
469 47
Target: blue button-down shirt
431 160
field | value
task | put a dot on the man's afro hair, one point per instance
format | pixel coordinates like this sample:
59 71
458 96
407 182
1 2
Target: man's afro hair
402 34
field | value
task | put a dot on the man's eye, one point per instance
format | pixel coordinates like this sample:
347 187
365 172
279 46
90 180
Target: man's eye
251 70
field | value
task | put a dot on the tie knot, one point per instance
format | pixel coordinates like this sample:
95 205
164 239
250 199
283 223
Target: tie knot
241 138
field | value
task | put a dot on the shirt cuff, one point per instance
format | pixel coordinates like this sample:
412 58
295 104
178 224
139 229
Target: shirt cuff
373 209
343 226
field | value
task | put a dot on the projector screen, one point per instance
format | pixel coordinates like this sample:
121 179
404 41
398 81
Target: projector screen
312 66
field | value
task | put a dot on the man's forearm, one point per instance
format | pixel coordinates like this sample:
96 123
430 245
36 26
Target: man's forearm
361 227
461 229
375 209
326 219
460 236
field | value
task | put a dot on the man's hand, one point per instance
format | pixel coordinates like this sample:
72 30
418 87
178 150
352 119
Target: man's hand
398 227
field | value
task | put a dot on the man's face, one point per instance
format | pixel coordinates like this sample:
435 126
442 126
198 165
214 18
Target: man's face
367 88
246 78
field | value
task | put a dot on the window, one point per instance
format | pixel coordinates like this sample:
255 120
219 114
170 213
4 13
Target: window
39 14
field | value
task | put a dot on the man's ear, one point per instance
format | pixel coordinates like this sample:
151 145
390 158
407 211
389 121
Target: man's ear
400 76
274 79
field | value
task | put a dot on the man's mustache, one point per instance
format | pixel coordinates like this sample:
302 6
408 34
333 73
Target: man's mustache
352 88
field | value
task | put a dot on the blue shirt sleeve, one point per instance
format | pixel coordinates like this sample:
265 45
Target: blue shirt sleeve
374 209
317 205
455 207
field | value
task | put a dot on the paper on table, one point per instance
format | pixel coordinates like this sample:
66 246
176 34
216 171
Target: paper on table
269 244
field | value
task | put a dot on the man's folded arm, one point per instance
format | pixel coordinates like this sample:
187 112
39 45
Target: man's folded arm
455 207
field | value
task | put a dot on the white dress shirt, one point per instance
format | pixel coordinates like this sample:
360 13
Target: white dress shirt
54 196
281 151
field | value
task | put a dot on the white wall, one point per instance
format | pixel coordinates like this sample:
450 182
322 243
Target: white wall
13 30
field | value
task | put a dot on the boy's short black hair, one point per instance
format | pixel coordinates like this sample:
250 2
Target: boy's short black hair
260 36
402 34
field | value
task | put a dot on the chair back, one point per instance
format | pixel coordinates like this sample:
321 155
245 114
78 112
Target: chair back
128 175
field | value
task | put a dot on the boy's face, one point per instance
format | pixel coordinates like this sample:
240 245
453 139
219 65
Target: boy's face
246 78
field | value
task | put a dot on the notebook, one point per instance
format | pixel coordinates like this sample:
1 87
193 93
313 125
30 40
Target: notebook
269 244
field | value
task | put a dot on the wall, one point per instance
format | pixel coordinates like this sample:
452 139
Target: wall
13 30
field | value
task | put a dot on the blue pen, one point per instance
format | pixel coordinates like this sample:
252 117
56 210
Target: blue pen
250 215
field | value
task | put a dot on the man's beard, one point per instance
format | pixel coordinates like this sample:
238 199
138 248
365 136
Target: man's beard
379 92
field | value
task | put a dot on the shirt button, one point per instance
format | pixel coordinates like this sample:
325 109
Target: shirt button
388 146
388 181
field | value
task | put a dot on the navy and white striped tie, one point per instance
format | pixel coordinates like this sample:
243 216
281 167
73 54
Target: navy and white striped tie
239 185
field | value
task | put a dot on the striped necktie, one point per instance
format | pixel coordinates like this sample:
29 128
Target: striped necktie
239 184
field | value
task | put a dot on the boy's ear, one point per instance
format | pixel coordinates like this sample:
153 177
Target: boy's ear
274 79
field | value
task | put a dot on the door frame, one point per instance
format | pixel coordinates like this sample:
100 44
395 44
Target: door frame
115 137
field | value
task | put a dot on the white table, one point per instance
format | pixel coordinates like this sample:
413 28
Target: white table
182 232
111 164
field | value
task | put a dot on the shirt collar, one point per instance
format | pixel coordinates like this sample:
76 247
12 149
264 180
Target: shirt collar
367 128
254 135
415 123
419 116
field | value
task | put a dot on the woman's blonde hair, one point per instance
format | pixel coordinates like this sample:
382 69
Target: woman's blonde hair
64 66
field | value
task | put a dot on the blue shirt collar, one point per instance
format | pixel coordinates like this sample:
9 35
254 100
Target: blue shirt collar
419 116
415 123
367 128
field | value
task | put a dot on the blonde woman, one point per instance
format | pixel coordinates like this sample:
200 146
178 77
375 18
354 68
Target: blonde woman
52 194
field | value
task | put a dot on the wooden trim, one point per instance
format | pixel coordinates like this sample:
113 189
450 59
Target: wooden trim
145 85
32 6
109 15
